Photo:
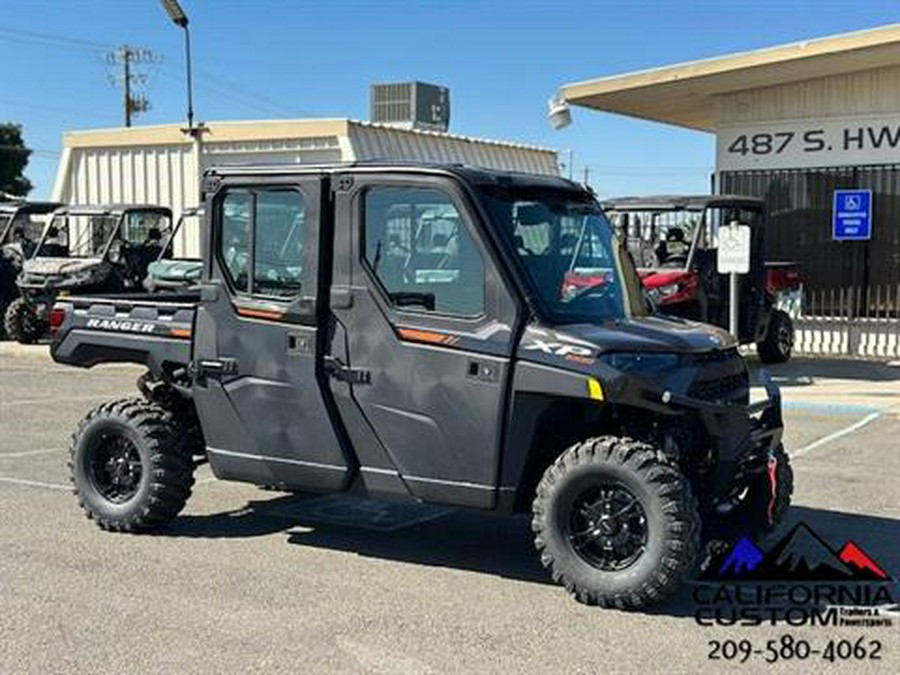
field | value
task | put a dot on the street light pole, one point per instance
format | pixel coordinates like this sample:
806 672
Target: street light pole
180 19
190 87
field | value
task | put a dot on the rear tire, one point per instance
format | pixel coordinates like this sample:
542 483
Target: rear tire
22 323
130 465
778 344
608 552
3 307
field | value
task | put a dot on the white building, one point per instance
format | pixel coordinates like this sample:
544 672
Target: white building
794 124
162 164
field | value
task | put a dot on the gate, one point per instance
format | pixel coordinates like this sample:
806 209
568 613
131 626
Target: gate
851 296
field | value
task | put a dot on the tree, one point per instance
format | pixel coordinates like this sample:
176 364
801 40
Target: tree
13 160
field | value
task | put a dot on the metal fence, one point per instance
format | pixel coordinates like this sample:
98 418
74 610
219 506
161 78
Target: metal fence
857 322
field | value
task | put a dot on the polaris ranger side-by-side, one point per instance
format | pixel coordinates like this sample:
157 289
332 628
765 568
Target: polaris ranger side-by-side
21 224
400 332
86 249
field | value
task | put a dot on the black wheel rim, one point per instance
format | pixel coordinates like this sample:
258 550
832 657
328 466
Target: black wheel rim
607 526
114 467
785 339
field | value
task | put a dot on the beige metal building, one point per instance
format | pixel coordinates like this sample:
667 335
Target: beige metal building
793 124
162 164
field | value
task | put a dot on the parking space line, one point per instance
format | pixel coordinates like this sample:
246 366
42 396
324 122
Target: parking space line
29 453
35 483
58 399
836 435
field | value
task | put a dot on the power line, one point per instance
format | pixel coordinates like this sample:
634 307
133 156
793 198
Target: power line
20 35
53 108
31 151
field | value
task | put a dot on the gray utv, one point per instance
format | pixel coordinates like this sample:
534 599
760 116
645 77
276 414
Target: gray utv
402 332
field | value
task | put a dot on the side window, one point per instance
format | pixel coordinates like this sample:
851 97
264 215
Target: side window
280 225
421 252
234 237
274 220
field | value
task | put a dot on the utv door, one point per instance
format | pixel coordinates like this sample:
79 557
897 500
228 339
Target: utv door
256 383
421 340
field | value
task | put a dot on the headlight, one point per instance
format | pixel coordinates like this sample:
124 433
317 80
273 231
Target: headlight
643 363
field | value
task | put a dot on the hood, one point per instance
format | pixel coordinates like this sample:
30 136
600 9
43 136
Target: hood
60 266
658 278
649 334
175 270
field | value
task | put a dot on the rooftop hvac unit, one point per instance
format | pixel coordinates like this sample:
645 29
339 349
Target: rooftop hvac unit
411 105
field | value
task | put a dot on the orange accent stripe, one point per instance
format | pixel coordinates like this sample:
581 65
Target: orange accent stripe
270 314
180 332
427 337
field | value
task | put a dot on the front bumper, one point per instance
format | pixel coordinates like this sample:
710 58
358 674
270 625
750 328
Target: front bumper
742 437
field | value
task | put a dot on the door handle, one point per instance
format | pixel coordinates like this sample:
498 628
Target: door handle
216 368
336 369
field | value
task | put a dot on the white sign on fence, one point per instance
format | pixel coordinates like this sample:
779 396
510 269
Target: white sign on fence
734 250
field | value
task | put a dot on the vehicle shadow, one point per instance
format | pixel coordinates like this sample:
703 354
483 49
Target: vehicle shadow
496 545
804 371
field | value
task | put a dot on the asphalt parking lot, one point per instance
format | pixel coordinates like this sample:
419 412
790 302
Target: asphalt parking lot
245 580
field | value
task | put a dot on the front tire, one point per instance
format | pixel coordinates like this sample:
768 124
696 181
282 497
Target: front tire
130 466
22 323
616 523
778 344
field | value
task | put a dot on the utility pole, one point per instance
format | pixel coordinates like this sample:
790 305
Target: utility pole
127 57
587 174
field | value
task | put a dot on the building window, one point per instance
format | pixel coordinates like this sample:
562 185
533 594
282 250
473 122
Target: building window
418 247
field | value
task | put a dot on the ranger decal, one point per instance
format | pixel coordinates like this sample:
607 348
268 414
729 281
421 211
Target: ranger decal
125 326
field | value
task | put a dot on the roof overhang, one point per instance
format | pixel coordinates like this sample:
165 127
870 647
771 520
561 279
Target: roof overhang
685 94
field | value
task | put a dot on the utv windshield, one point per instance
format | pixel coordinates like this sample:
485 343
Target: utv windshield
20 228
76 235
574 265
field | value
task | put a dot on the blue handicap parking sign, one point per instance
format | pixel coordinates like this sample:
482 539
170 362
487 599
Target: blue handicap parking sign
852 217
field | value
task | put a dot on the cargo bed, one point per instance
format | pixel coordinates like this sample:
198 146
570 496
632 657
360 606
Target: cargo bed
143 328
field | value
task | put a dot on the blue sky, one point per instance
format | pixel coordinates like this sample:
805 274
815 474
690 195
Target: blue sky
258 59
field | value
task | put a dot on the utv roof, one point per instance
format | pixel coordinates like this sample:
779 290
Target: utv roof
39 208
474 174
110 209
680 202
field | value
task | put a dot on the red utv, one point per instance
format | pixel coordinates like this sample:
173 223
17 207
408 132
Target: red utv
673 241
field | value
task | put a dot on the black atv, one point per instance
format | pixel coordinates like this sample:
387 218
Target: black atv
403 332
85 249
21 224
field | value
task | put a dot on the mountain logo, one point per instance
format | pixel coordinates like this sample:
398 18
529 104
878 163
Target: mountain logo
801 555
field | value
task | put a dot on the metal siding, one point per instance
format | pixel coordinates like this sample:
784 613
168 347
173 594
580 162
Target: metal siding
378 142
167 173
867 92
